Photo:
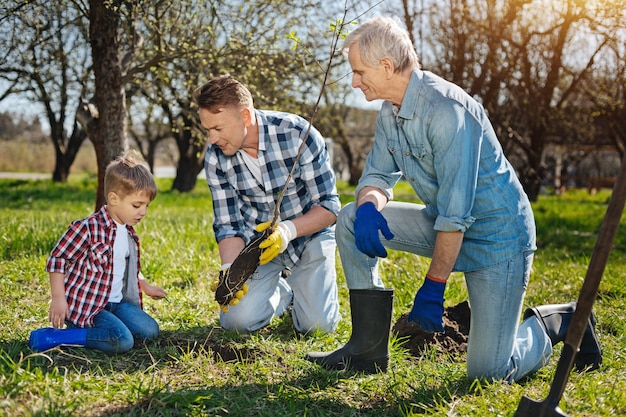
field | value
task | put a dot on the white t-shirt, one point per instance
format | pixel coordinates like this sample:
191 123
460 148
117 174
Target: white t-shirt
121 251
253 165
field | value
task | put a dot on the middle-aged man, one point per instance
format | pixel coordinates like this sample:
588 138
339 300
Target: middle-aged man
475 218
247 163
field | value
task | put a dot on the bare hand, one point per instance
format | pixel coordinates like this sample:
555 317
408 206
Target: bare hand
58 312
153 291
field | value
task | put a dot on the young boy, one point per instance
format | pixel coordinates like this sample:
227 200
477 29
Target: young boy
95 276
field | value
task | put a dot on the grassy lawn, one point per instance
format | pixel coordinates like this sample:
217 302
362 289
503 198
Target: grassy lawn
196 368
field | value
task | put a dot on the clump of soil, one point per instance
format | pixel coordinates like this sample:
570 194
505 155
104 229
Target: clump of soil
232 353
456 320
226 352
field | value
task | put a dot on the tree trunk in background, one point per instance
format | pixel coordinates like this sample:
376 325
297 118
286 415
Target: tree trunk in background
191 159
65 155
109 134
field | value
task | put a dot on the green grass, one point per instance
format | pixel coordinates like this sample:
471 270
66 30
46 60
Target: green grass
196 368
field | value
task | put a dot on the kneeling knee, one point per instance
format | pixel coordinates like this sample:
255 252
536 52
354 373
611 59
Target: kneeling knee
238 323
345 219
148 332
488 374
121 343
311 324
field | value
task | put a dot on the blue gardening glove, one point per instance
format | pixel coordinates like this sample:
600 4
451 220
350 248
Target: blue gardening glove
366 226
427 309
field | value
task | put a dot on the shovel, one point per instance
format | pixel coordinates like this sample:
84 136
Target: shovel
550 406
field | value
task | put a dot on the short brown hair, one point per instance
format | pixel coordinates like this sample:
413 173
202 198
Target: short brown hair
128 174
220 92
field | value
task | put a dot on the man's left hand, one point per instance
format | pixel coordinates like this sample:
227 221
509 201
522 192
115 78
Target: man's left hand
278 241
427 309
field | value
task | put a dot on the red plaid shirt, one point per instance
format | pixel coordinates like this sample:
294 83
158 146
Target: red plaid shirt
84 254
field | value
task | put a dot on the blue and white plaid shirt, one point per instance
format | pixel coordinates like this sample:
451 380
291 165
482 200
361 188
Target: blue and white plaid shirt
240 202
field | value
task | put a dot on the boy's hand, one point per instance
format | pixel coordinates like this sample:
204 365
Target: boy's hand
58 312
153 291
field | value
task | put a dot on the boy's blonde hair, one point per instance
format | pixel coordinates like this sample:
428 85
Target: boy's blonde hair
128 174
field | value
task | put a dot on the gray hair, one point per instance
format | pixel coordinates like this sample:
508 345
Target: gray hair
382 37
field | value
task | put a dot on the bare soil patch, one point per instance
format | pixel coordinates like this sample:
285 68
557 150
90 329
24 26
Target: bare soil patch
453 340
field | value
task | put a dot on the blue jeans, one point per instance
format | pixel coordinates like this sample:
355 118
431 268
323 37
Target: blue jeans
117 326
310 290
498 348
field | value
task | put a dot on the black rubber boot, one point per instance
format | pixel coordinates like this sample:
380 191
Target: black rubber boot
368 348
555 319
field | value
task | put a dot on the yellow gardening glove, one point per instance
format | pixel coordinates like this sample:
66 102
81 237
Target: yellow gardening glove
278 241
238 295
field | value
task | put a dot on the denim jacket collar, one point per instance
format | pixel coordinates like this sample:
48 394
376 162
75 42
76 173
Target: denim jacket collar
409 102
